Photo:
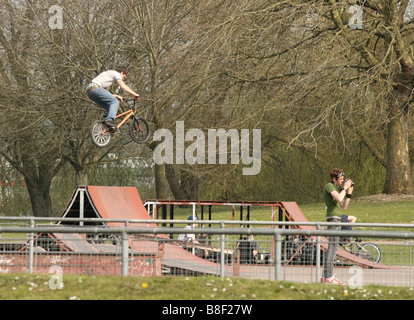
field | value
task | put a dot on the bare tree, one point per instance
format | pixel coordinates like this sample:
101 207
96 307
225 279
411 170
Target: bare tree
30 138
171 41
331 77
46 115
87 44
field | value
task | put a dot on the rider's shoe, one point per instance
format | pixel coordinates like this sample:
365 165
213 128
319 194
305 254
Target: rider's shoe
116 130
331 280
110 123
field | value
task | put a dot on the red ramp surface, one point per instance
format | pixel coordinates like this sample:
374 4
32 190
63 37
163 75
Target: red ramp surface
293 213
123 203
119 203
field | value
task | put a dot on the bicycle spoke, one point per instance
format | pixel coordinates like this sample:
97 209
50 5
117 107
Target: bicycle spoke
99 134
370 252
139 130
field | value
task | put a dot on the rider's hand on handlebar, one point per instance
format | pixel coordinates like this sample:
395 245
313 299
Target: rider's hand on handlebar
120 98
136 97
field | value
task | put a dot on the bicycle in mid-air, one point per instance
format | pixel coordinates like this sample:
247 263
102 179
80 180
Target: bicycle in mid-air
139 128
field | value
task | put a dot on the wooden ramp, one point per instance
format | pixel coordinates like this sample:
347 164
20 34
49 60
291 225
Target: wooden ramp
122 203
293 213
125 203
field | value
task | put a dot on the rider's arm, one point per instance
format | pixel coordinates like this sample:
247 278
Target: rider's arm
127 89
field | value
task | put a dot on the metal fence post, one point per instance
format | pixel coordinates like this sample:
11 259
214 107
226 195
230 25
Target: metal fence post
31 246
81 206
125 247
278 256
318 254
222 252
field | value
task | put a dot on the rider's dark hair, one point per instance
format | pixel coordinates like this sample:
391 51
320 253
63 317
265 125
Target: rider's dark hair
336 173
122 69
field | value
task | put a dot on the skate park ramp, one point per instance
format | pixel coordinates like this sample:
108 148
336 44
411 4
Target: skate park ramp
293 213
125 203
121 203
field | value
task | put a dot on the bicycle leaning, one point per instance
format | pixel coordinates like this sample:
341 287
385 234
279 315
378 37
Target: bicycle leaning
300 250
139 128
367 251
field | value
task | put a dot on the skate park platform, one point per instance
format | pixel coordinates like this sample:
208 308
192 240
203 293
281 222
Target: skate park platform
125 203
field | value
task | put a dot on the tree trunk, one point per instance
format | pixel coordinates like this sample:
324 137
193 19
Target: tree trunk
40 198
161 182
174 183
184 186
399 176
81 177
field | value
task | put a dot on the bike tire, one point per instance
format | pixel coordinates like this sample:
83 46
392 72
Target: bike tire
139 130
370 252
99 134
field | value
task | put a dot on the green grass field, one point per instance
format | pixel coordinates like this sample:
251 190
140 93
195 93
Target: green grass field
367 210
82 287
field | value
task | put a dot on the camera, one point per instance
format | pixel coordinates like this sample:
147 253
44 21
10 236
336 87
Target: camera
353 183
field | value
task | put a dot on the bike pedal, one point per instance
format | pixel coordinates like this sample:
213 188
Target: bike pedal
114 130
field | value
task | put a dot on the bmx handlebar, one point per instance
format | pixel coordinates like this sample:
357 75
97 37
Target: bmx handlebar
129 101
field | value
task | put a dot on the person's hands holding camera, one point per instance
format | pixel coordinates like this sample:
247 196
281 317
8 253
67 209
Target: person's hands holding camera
349 187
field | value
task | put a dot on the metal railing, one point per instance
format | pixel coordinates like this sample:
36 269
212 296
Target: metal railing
226 234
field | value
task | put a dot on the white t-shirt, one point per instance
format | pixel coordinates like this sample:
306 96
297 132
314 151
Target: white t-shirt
186 236
107 78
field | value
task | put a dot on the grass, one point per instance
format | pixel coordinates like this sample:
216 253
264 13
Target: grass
83 287
366 211
385 212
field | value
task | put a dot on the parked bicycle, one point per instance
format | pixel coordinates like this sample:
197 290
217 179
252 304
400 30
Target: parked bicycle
368 251
139 128
300 250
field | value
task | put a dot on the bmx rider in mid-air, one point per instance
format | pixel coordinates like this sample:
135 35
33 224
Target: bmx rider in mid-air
98 92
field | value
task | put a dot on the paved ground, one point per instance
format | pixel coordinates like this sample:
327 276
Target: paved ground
352 276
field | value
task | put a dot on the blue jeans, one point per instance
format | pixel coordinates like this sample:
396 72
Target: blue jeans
106 100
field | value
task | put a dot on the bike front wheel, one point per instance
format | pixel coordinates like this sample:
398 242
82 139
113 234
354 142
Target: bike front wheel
139 130
100 135
370 252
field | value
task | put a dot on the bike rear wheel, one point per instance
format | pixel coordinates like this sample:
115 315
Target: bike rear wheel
139 130
370 252
100 135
